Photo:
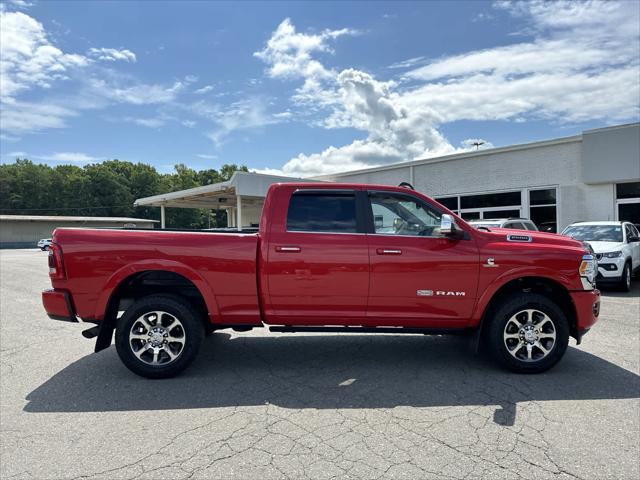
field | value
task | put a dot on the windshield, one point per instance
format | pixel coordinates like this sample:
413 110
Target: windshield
595 233
484 225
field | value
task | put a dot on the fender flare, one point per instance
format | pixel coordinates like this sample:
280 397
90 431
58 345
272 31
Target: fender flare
489 292
155 265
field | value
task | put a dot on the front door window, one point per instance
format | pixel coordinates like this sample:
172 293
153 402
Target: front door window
402 215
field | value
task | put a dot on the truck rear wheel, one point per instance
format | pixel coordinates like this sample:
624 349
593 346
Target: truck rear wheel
528 333
159 336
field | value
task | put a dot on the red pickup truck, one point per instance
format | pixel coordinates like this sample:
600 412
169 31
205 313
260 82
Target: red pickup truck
326 258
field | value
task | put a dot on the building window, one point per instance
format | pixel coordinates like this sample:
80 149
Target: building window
543 209
488 200
628 202
491 205
492 214
450 202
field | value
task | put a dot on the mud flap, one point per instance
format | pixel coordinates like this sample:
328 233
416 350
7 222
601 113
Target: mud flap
105 335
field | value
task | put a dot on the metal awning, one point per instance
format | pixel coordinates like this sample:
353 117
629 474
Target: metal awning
243 190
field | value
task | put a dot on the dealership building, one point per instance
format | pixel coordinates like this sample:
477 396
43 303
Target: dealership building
586 177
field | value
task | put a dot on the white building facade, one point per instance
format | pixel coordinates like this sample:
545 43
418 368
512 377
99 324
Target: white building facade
592 176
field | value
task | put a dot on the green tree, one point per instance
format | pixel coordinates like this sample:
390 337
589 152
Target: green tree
105 189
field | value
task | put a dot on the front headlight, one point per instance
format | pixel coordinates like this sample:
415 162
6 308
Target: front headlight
612 254
588 270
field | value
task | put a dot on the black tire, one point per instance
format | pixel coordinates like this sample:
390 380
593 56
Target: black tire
625 279
190 326
497 331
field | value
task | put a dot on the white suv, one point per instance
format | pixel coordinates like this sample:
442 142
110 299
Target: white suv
515 223
44 244
616 246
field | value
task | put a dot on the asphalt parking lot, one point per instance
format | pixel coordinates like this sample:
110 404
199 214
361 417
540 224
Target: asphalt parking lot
262 406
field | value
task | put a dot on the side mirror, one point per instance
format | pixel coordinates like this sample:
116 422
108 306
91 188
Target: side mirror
632 238
447 225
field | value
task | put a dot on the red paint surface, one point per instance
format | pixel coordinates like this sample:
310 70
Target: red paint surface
300 278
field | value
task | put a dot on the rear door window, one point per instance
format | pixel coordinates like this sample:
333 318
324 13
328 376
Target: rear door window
330 212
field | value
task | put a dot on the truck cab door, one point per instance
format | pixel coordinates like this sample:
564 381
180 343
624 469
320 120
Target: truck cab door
418 277
317 266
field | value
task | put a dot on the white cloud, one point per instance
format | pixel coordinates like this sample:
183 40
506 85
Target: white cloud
582 64
288 56
188 123
409 63
148 122
137 94
246 114
69 157
21 3
203 90
28 59
24 117
112 54
357 100
206 156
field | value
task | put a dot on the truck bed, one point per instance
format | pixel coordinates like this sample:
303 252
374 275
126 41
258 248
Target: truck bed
97 260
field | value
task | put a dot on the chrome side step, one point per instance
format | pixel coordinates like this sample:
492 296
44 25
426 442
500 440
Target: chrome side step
393 330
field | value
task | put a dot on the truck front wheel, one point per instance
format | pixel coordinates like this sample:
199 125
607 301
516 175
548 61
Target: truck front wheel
159 336
528 333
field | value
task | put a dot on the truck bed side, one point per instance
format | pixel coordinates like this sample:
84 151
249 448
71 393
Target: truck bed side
222 266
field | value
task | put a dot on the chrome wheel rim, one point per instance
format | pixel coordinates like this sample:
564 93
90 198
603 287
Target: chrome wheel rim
157 338
529 335
628 277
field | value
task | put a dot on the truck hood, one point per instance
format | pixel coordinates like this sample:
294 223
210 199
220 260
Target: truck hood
604 247
537 238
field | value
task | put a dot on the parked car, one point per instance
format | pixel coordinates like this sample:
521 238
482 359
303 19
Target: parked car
616 246
327 258
44 244
514 223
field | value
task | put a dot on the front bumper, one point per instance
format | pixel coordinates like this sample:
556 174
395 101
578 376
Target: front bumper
58 305
610 269
587 305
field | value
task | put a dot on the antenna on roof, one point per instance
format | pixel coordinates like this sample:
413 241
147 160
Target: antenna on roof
406 185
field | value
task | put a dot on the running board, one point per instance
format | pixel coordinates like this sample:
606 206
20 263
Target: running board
393 330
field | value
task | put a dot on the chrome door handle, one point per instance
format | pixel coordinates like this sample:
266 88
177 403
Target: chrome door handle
389 251
288 249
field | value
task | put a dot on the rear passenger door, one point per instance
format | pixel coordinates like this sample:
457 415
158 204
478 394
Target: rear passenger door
318 264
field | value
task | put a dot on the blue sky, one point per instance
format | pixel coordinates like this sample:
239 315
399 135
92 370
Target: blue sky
306 88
